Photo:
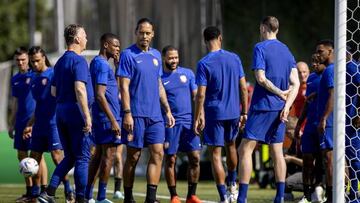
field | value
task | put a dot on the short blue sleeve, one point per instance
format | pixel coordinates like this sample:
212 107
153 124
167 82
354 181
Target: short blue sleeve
192 82
258 59
101 76
241 69
81 71
126 66
329 79
201 79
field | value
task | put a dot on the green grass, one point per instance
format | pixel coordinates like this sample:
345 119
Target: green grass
11 182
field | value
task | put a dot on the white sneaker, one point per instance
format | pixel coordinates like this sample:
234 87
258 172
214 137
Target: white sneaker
304 200
226 201
118 195
318 195
91 201
232 193
104 201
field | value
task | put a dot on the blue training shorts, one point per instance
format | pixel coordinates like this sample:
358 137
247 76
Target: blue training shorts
181 138
310 139
103 133
45 138
147 131
217 132
265 127
326 139
19 142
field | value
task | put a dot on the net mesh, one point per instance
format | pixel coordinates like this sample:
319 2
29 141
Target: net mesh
352 139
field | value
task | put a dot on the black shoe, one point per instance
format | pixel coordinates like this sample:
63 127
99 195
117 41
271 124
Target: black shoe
129 201
45 198
70 197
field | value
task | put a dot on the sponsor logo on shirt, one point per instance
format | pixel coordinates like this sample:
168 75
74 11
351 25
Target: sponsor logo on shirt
16 83
167 82
183 78
54 144
27 81
155 61
139 61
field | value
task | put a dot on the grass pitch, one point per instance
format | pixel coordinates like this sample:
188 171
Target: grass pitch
12 186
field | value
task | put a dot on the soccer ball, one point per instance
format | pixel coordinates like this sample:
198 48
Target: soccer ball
28 167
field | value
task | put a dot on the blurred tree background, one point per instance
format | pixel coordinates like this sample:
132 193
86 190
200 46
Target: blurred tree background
302 23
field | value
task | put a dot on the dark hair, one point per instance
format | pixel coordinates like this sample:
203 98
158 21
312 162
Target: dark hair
211 33
70 33
271 23
107 37
326 42
144 20
168 48
315 57
36 49
20 50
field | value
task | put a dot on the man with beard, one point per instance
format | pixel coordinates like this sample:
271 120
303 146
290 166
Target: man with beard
180 87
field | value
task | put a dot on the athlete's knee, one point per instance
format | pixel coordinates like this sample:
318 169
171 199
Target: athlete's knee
170 160
157 155
194 160
132 157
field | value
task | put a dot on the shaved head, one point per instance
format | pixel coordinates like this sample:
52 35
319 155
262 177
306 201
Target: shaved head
303 70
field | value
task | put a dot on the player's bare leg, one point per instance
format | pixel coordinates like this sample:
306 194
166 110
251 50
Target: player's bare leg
218 170
231 162
277 155
328 158
245 151
107 156
118 171
193 174
154 170
132 158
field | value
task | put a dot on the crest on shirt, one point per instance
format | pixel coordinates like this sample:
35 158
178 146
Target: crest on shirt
44 81
183 78
130 137
155 61
27 81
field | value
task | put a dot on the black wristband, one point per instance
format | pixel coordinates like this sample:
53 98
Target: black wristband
127 111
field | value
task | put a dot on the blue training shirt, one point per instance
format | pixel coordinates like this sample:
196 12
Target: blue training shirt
143 69
352 83
276 60
179 85
312 86
20 88
102 74
45 102
69 68
326 83
220 71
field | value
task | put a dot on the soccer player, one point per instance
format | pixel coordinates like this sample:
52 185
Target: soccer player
325 94
105 112
310 138
42 126
141 94
180 87
74 95
275 69
221 82
23 105
352 138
